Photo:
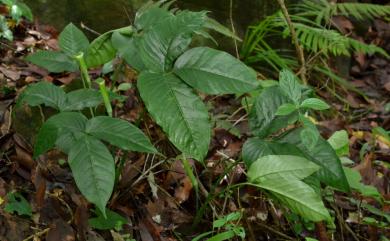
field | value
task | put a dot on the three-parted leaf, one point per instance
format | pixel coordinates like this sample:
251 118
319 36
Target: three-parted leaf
53 61
215 72
93 169
178 110
72 40
323 155
119 133
64 122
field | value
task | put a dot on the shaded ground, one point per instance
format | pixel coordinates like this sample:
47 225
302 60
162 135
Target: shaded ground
155 196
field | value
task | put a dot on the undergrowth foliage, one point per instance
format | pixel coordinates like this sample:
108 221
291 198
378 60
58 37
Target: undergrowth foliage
286 157
170 72
316 33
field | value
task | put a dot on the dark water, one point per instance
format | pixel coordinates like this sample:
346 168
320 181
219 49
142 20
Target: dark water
103 15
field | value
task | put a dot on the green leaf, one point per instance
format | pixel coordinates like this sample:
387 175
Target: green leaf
119 133
323 155
315 104
67 139
262 118
100 51
273 166
112 221
146 19
168 39
53 61
17 203
216 26
26 11
44 93
355 182
127 50
49 132
82 98
289 84
72 40
340 143
254 148
215 72
223 236
286 109
281 175
93 169
183 117
310 134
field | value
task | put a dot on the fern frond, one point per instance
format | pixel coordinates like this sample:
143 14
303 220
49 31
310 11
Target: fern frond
322 10
330 41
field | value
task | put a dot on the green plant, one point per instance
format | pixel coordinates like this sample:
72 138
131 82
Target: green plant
170 72
90 160
315 32
227 224
17 10
290 164
17 203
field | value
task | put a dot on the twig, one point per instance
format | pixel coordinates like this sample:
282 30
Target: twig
83 26
298 48
268 228
233 29
38 234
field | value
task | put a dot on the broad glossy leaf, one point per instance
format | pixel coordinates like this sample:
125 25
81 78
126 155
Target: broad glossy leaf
100 51
288 82
44 93
298 196
323 155
215 72
59 123
178 110
120 133
93 170
282 175
262 118
82 98
273 166
315 104
254 148
53 61
72 40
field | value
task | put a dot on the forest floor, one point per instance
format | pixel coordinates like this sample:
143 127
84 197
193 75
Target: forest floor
156 197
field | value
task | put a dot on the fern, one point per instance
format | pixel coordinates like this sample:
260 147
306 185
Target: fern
323 10
330 41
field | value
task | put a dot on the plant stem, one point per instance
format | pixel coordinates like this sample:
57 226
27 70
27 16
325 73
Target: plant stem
84 70
104 93
298 48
